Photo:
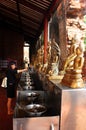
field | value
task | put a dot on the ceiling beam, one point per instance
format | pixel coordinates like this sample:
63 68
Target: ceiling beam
32 6
47 13
15 24
7 25
4 15
16 13
19 14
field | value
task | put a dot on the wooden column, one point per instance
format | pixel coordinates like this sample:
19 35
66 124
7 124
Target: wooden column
45 39
62 33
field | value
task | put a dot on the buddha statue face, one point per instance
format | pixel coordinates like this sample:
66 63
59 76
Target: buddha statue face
78 51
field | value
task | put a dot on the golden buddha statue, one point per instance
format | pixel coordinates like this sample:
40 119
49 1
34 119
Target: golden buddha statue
79 60
73 77
72 55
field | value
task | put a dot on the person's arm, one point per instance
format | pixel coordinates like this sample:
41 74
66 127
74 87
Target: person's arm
22 70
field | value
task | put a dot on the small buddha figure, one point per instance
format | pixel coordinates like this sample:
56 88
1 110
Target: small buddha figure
44 68
79 59
49 52
72 55
39 57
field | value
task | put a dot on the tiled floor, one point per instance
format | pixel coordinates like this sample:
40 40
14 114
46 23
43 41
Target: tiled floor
5 120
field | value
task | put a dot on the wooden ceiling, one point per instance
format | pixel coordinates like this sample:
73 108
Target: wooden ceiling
26 16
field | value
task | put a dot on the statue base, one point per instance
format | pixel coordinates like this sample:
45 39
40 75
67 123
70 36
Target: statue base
58 77
73 79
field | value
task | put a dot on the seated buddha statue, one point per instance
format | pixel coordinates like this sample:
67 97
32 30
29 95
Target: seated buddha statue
72 55
73 74
79 59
